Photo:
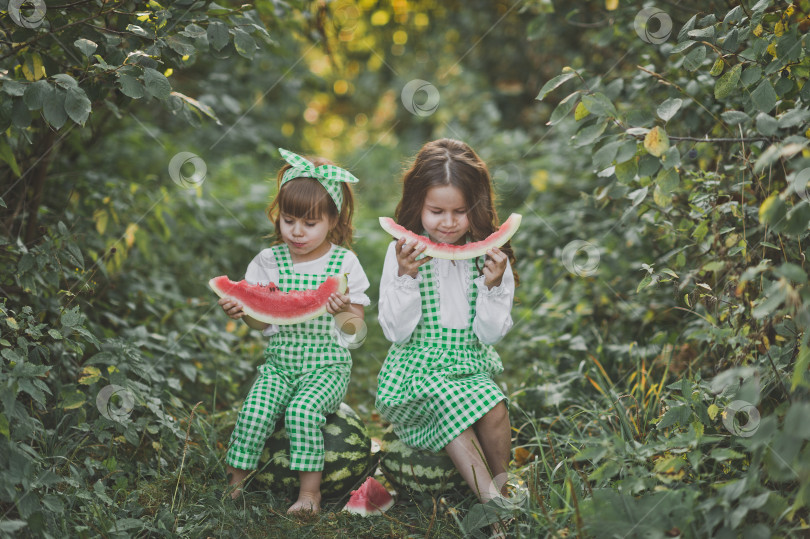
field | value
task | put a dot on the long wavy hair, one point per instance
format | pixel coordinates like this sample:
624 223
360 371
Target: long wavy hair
451 162
305 198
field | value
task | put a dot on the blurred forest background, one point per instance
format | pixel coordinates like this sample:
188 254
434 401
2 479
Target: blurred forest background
657 151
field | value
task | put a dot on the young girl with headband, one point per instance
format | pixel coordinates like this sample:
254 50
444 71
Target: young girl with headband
442 316
307 365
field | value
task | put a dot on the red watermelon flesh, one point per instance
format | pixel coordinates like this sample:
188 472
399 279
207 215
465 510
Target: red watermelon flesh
270 305
370 499
449 251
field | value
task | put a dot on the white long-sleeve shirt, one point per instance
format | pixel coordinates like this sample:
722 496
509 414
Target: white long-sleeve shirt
400 307
263 269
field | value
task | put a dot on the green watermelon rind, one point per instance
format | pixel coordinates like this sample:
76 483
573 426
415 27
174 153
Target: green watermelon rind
416 470
455 252
344 469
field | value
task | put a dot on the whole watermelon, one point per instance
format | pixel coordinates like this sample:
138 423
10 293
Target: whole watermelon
347 460
418 470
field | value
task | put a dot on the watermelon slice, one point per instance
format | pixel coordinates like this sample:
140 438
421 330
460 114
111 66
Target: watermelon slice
449 251
270 305
370 499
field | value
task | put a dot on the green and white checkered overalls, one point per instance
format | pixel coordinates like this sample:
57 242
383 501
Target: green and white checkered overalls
438 383
305 371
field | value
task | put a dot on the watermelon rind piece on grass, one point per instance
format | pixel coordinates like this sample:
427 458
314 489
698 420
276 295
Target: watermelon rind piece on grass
370 499
270 305
449 251
418 471
347 460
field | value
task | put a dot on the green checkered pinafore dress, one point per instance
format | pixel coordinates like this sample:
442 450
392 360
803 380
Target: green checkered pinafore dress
305 375
438 383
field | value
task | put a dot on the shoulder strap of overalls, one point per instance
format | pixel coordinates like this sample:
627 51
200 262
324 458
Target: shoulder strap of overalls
336 260
282 254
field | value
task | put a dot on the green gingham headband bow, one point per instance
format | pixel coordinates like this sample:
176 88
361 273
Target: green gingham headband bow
329 176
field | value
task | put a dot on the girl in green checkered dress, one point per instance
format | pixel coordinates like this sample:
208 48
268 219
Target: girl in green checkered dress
307 365
436 386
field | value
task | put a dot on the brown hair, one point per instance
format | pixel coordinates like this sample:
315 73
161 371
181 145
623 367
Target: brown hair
451 162
306 198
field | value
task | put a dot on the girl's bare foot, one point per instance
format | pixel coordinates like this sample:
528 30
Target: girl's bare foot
306 503
236 479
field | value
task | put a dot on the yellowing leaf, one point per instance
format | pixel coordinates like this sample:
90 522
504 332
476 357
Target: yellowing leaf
168 72
581 111
611 5
656 142
712 411
101 217
540 180
91 375
772 49
73 400
779 29
129 235
717 68
758 30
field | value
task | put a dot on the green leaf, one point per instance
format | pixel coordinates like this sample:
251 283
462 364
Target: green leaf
764 97
600 105
669 108
772 210
563 109
554 83
689 25
671 158
4 426
791 272
218 35
54 109
766 124
734 16
202 107
86 46
138 31
800 369
603 157
243 42
180 45
77 105
735 117
157 85
626 172
65 81
194 31
668 180
7 155
793 118
695 58
130 86
14 88
588 134
727 83
702 34
73 399
35 94
750 75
